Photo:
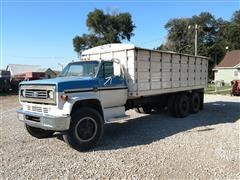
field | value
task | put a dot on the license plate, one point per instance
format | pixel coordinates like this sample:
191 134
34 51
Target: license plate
21 117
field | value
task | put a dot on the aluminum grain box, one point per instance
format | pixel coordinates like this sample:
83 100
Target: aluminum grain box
150 72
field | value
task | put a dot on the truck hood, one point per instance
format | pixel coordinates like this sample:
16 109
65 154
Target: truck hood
66 83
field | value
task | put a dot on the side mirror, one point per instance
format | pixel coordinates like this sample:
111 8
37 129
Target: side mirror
116 69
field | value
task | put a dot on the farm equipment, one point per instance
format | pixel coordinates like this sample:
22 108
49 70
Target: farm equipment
235 88
4 81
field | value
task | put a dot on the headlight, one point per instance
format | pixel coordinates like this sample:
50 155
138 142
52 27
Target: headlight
23 92
50 94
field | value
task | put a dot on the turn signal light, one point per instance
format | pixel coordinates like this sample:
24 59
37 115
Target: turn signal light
64 97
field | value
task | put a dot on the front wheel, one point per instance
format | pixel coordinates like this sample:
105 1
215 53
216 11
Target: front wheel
38 133
85 130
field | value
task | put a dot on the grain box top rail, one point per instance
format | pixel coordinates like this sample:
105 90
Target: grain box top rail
121 47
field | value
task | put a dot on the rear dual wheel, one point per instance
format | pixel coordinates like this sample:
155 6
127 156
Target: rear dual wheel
195 103
181 104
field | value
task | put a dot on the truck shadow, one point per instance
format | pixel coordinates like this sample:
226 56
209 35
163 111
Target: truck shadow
159 125
10 93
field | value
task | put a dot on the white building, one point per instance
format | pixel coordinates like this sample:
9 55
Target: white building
16 69
229 68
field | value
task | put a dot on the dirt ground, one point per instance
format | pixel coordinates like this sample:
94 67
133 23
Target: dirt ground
204 145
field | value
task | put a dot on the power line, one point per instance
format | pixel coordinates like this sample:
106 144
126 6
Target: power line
215 26
150 41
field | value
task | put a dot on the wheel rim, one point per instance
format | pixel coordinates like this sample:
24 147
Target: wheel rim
86 129
184 106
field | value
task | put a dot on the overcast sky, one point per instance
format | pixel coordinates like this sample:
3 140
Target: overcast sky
41 32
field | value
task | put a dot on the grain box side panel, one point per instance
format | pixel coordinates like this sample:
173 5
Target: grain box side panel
204 72
162 72
155 70
166 70
176 75
192 71
198 71
127 58
143 70
184 71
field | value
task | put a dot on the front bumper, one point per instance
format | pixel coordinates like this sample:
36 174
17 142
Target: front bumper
43 121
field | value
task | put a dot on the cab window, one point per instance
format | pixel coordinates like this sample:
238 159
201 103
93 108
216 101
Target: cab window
106 69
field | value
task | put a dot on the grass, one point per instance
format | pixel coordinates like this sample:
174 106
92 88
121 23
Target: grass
224 90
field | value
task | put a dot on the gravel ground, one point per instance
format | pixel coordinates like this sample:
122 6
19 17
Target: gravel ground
204 145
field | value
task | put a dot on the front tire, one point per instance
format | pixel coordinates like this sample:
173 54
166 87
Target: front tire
85 130
38 133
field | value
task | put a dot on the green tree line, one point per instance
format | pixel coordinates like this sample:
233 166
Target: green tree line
214 36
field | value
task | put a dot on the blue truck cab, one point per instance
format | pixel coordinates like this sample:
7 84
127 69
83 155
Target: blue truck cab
78 102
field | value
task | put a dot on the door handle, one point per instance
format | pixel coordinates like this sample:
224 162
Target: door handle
95 89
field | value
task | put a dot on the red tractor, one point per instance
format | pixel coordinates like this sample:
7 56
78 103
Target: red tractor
235 88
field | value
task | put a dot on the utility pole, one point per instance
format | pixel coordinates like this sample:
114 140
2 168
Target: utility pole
196 38
61 66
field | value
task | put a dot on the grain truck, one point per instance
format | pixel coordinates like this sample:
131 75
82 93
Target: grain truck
106 82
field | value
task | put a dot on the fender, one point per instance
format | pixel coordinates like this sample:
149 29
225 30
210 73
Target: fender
76 97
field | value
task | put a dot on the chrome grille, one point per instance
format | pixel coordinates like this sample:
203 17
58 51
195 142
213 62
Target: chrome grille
45 110
37 94
41 94
37 109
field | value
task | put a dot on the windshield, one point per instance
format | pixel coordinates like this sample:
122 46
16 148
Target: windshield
81 69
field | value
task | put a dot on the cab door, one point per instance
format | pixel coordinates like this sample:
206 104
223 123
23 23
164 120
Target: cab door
113 89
